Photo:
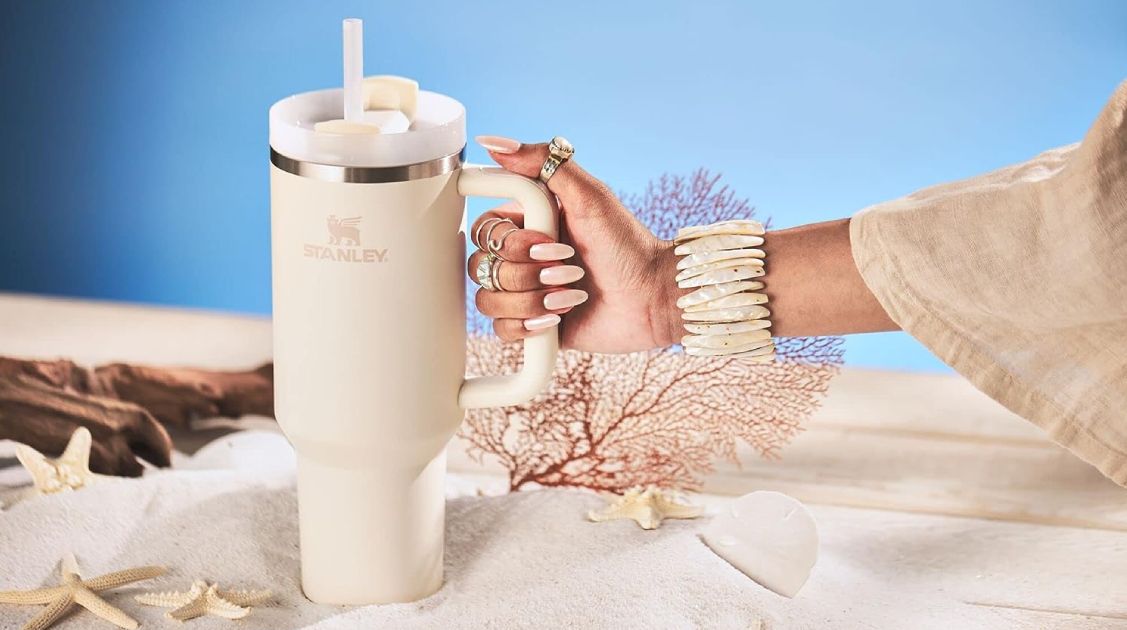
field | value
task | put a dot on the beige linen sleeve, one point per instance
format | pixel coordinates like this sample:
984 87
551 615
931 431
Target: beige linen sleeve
1018 280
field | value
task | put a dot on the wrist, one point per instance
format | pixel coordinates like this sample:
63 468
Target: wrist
665 316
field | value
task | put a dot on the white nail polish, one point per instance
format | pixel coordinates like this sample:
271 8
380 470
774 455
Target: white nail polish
550 251
560 274
542 322
563 299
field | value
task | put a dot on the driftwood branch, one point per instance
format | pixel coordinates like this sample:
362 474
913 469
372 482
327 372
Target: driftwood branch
123 406
176 396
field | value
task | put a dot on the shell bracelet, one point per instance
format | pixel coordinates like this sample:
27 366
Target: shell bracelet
726 314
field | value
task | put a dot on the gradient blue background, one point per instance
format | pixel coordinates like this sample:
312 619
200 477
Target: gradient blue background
134 164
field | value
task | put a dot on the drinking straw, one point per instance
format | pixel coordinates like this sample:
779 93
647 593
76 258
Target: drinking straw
353 69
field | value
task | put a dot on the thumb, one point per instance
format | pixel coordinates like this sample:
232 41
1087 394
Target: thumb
575 187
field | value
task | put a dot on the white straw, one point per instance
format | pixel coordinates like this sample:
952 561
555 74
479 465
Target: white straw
353 69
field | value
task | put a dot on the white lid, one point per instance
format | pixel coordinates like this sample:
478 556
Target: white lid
438 130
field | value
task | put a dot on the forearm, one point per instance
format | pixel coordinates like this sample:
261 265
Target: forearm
812 285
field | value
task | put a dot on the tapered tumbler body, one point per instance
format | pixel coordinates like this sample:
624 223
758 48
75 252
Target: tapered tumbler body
369 345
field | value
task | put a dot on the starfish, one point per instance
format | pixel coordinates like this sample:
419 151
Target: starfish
205 599
70 471
75 590
647 507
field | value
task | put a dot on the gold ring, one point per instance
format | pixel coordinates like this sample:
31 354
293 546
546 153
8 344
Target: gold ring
559 151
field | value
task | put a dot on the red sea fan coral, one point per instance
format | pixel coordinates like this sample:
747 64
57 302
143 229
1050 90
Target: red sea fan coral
610 422
672 202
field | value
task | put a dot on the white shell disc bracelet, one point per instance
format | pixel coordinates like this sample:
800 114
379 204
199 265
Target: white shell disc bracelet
726 314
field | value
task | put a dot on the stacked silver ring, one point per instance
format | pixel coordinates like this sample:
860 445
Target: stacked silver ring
485 272
488 267
726 313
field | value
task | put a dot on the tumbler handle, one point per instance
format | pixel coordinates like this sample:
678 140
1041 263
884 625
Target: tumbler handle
541 213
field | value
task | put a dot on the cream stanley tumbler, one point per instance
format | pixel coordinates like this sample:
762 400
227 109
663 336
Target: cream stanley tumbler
370 330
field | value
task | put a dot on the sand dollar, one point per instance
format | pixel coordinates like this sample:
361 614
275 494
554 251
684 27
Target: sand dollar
769 536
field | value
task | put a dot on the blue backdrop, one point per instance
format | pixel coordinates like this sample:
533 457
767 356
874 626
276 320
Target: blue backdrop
134 163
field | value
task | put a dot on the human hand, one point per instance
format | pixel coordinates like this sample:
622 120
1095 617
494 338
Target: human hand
609 274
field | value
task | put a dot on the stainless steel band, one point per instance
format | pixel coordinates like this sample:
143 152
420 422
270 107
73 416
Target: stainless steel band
368 174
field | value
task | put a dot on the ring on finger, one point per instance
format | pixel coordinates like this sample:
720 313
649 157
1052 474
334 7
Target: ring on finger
559 152
494 246
477 242
495 274
484 244
484 272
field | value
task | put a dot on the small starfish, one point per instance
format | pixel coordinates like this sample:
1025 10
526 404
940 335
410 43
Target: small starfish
70 471
205 599
647 507
75 590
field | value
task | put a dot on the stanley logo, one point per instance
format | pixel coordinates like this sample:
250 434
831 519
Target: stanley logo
344 244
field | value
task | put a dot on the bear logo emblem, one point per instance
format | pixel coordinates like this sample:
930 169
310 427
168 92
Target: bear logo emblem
344 231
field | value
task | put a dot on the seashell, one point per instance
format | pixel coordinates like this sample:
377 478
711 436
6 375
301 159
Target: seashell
753 357
729 301
717 243
768 536
735 226
766 350
721 275
727 328
720 264
692 260
713 291
755 348
728 314
725 341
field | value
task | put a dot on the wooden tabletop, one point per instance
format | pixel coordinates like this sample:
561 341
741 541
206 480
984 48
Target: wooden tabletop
942 487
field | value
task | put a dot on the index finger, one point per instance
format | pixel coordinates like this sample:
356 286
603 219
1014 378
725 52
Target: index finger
575 187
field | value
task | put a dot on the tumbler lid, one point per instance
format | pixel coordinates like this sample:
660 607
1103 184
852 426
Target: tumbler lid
438 130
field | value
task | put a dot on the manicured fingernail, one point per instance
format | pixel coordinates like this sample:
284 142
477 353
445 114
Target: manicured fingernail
497 144
564 299
550 251
562 274
542 322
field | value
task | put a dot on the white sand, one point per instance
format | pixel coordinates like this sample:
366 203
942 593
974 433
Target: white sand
525 560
